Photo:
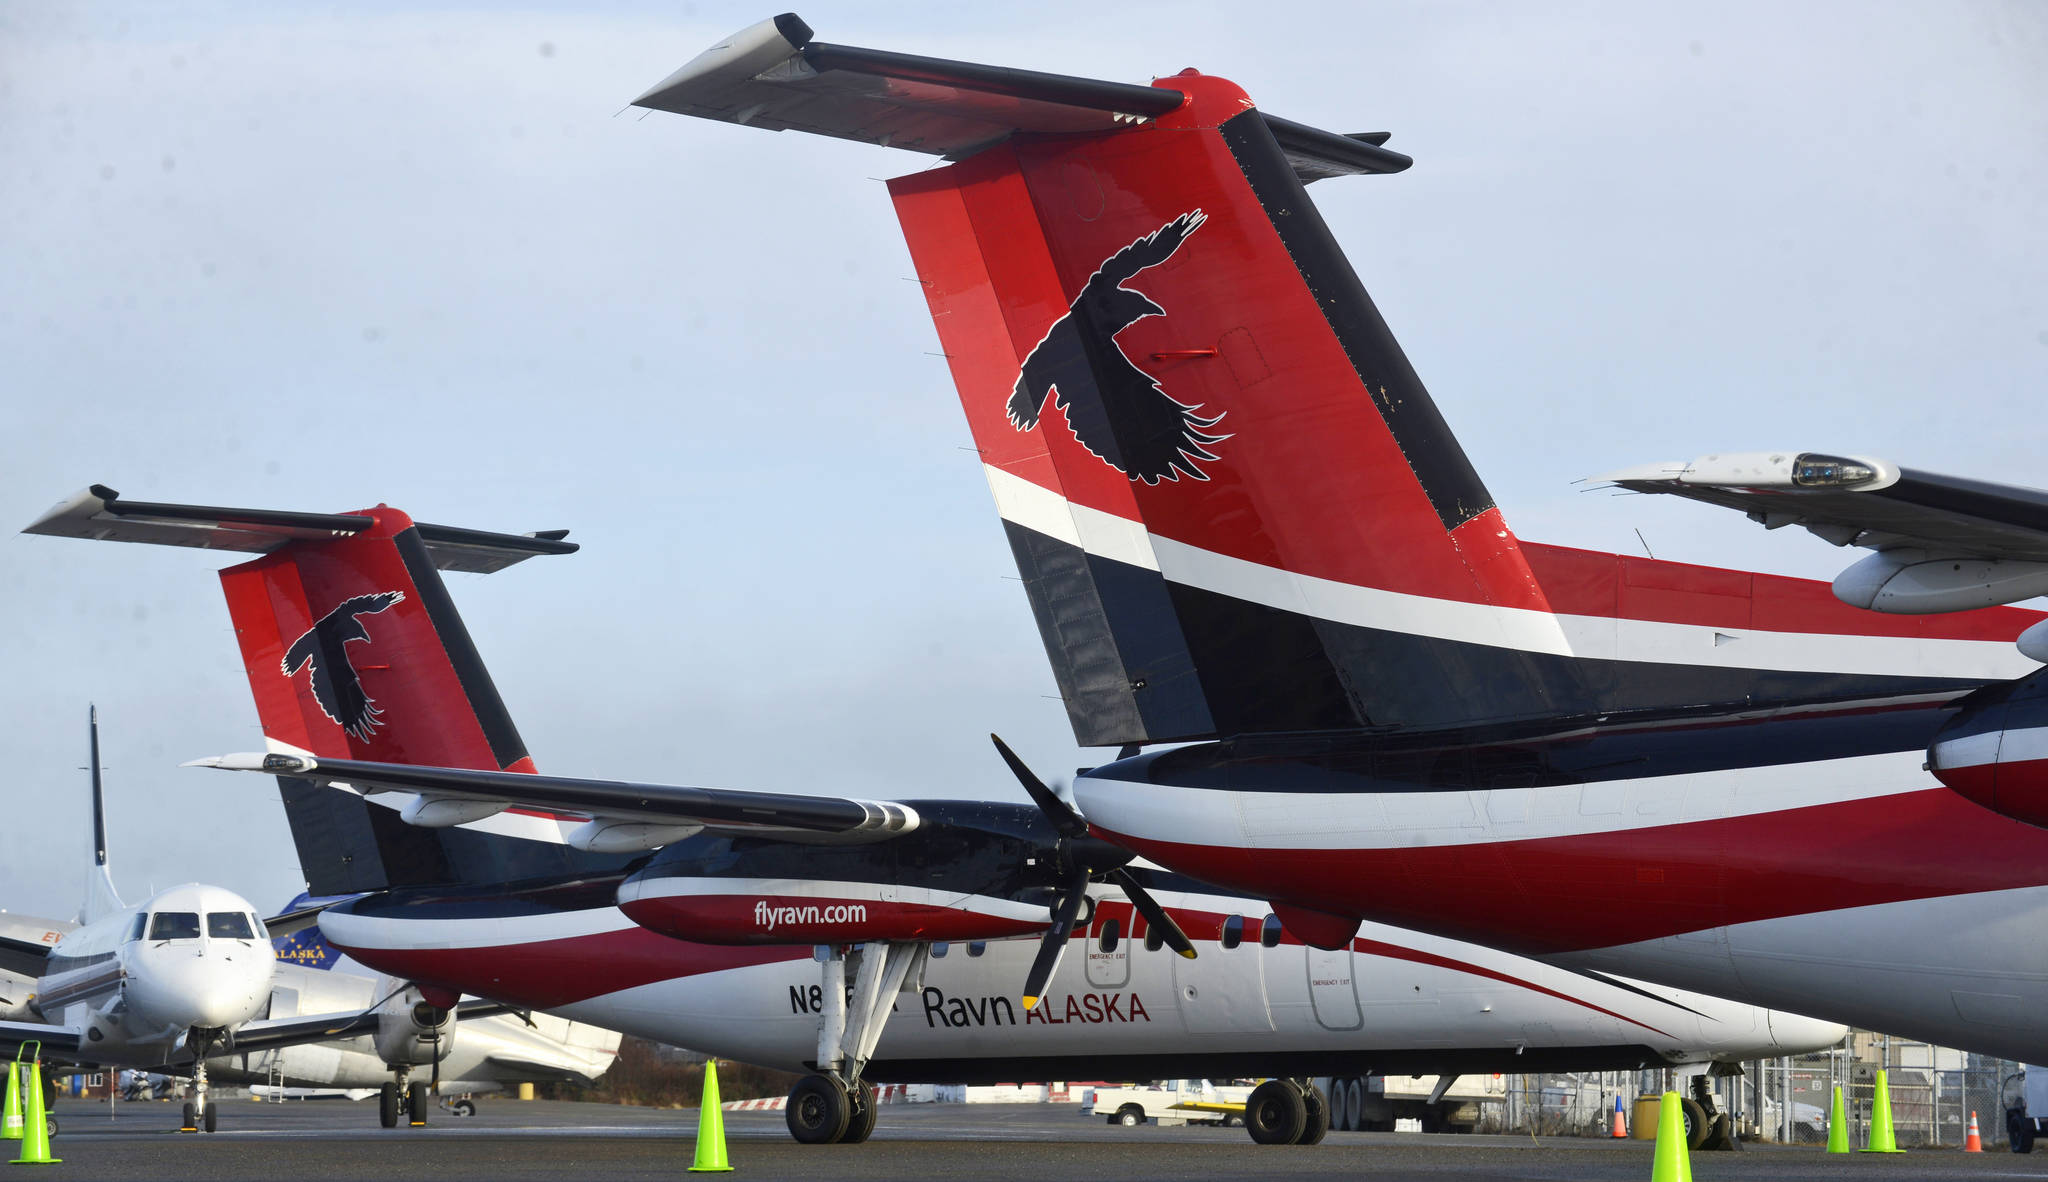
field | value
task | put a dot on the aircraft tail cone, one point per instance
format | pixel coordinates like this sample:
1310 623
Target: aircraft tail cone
1973 1143
1620 1129
10 1122
710 1127
1673 1162
1838 1125
1881 1137
35 1129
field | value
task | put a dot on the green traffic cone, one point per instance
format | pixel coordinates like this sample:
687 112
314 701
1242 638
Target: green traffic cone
35 1131
710 1127
1673 1161
10 1122
1838 1125
1881 1121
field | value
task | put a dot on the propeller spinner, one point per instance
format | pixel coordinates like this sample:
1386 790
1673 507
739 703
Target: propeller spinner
1081 858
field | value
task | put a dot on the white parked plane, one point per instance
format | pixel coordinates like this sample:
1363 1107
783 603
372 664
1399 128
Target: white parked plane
734 922
165 983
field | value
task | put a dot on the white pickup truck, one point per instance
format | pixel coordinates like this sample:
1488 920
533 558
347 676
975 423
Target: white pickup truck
1173 1102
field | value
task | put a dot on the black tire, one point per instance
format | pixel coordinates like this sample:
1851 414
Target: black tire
1130 1116
462 1108
818 1110
1276 1113
49 1126
1697 1126
387 1106
2021 1131
211 1118
191 1121
417 1101
860 1123
1316 1110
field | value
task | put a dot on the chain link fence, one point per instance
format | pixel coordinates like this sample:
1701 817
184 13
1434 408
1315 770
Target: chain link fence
1933 1092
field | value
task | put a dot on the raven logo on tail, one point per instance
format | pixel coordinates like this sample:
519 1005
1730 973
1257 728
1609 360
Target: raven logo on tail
335 685
1115 409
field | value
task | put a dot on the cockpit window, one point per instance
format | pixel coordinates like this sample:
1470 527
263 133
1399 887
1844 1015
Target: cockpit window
262 931
229 925
174 925
141 922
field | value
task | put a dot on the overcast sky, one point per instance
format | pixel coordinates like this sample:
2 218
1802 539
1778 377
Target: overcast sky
276 256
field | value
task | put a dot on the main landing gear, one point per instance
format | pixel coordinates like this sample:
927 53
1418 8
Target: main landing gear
402 1097
1287 1112
834 1106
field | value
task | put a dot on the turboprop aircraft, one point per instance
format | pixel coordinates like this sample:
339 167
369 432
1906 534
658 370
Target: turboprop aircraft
475 1054
733 922
166 983
1245 527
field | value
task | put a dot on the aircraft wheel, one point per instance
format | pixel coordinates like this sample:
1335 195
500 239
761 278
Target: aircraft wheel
416 1103
1696 1124
2019 1131
463 1108
191 1119
860 1123
1130 1116
1316 1113
1354 1105
387 1106
818 1110
1276 1113
50 1126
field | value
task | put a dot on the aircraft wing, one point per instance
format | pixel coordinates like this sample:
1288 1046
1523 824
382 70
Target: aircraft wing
775 75
298 919
1942 543
268 1033
605 802
23 956
59 1042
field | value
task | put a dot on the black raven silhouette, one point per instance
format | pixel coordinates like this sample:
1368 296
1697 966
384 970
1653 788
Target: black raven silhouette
1115 409
335 685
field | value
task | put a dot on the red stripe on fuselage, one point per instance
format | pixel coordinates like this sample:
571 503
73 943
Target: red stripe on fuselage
548 973
1599 890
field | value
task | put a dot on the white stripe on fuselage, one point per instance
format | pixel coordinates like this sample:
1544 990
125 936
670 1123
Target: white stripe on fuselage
1106 535
1433 817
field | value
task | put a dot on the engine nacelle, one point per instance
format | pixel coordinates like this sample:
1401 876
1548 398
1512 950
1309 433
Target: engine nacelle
1995 752
1913 582
412 1031
786 911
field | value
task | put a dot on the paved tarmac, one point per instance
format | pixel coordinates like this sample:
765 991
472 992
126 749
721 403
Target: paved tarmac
311 1140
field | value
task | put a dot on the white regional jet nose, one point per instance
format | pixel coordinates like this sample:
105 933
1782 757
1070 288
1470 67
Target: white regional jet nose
199 983
1796 1034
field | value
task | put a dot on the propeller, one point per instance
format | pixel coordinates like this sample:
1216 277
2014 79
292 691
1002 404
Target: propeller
1081 858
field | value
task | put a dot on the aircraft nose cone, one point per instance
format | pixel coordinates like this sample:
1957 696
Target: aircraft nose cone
1796 1034
191 987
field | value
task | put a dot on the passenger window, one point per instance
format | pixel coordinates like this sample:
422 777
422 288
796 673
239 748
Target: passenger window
977 947
135 929
1233 931
174 925
940 949
1108 940
1153 939
229 925
1269 932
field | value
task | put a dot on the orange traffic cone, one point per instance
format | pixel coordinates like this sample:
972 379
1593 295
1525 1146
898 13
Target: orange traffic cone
1973 1143
1620 1129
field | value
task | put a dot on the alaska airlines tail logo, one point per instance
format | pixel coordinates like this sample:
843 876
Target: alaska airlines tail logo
1115 409
335 685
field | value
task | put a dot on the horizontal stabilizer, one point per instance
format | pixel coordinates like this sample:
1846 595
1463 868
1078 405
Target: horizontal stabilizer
821 818
775 76
98 514
1859 501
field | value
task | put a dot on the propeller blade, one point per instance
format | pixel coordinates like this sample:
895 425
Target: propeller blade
1065 821
1054 946
1154 914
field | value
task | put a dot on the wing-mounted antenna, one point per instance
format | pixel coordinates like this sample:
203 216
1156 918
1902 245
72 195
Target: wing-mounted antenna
101 899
